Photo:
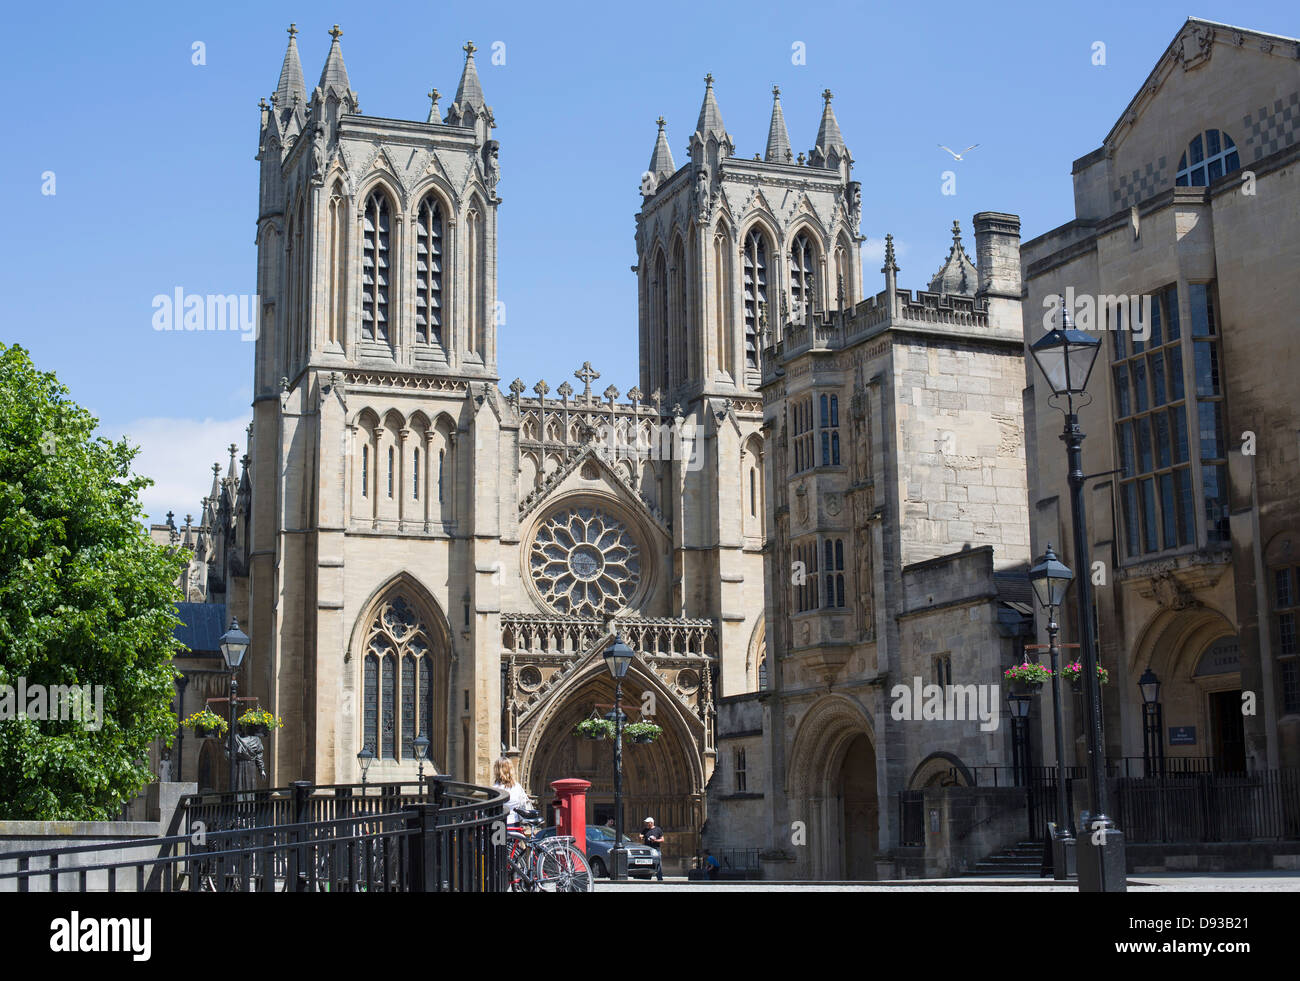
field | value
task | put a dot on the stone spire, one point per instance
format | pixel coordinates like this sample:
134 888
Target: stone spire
778 138
434 115
830 151
661 160
291 87
469 109
890 269
469 92
710 121
335 75
958 274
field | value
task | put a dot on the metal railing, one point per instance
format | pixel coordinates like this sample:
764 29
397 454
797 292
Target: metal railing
1209 807
381 838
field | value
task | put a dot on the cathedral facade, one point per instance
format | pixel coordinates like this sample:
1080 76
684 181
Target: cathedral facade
415 551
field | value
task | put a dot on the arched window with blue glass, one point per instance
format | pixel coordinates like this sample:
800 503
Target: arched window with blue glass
1208 157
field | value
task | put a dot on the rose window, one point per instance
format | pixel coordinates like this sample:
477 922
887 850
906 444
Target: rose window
585 562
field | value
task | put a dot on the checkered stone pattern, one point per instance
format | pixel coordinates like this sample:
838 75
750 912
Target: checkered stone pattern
1270 130
1141 184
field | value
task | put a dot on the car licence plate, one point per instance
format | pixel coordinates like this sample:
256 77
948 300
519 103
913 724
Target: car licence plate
643 861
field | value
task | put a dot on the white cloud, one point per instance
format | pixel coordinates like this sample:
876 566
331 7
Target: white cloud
178 455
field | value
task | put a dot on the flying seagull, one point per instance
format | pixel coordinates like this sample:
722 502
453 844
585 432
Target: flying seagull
958 156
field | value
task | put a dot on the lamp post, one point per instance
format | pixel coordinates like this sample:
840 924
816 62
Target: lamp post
1019 706
1051 580
617 658
1066 356
1153 742
421 746
234 642
365 758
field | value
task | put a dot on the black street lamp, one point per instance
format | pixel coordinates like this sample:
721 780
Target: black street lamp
421 746
618 656
1066 356
1051 580
1153 741
365 758
234 643
1019 706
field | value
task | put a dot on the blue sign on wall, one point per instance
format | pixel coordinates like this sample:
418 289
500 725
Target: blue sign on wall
1182 735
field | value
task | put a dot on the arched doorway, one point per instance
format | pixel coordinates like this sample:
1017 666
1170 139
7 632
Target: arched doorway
833 790
856 780
1193 651
663 779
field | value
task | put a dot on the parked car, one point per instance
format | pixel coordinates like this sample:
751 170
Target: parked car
642 860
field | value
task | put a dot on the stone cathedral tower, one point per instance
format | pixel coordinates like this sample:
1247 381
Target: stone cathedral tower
377 355
729 251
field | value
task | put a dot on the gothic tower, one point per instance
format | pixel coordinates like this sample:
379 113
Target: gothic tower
730 250
375 361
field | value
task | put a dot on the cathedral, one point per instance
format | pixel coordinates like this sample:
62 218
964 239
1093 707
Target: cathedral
414 551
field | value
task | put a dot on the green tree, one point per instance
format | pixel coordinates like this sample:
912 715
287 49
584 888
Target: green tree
86 598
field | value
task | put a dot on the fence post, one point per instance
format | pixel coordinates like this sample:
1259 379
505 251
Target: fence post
420 855
296 879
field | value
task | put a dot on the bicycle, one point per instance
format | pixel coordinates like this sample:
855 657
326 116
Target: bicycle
550 865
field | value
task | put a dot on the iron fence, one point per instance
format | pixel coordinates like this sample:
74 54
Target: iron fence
1207 807
381 838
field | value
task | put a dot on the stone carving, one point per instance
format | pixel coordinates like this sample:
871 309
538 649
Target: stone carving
1171 593
585 562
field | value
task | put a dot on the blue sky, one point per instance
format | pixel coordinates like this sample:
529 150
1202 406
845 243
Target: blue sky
156 185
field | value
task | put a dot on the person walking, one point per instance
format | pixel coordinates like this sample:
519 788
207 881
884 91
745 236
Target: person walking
653 836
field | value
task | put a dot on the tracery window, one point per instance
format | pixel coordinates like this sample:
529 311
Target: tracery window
396 709
375 265
428 273
833 572
1208 157
755 272
585 562
803 260
830 430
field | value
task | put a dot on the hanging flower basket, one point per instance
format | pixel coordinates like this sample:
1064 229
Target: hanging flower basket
595 729
643 732
1028 677
206 723
1074 674
257 722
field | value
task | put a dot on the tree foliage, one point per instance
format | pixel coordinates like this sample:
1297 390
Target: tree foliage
86 598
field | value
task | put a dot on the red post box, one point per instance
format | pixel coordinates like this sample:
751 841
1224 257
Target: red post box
571 809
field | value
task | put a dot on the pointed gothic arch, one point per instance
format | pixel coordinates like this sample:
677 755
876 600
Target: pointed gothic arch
723 300
400 651
338 231
758 262
474 279
379 261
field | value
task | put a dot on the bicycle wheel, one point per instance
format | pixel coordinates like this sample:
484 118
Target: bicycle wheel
560 867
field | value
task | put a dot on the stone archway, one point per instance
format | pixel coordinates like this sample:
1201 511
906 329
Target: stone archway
1195 686
663 779
833 787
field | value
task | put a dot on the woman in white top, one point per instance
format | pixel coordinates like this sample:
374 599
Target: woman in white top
503 778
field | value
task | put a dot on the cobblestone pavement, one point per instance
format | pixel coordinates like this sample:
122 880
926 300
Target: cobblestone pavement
1229 882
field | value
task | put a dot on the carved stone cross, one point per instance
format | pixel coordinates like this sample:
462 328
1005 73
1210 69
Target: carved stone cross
586 374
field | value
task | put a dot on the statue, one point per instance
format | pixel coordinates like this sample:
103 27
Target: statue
318 155
493 164
702 194
248 757
855 205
